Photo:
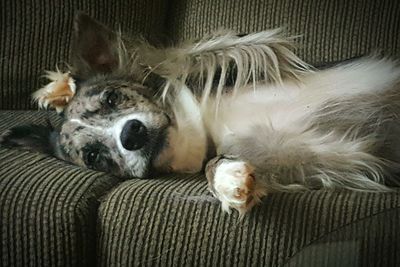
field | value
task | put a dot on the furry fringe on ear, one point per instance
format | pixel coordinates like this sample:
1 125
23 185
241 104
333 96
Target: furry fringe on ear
266 56
57 93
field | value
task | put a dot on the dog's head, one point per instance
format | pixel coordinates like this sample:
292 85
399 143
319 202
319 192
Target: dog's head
115 125
113 121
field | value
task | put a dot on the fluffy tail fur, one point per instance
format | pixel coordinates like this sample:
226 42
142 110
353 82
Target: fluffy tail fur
263 56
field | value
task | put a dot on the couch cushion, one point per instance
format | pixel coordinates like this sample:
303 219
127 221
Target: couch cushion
36 35
47 207
332 30
174 221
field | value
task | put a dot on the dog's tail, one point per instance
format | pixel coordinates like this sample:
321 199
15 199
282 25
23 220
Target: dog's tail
266 56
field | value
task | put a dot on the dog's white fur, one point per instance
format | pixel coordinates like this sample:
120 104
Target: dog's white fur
282 113
282 107
188 141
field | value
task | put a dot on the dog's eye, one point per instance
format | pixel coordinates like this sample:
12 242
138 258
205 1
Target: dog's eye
91 157
112 99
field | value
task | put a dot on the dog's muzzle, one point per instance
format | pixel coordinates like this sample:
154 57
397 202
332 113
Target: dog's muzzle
134 135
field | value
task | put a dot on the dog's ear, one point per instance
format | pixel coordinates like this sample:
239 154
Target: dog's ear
94 47
40 138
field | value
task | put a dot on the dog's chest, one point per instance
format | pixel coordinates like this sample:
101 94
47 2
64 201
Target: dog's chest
278 108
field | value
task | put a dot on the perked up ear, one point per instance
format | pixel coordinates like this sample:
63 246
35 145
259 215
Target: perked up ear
32 137
94 48
58 93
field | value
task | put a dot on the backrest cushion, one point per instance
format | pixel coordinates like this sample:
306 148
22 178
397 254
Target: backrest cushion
35 35
332 30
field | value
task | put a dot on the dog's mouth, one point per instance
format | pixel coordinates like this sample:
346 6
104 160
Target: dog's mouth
149 154
157 163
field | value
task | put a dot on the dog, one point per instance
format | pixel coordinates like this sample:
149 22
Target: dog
245 109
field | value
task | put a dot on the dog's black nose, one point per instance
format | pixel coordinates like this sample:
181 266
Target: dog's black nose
133 135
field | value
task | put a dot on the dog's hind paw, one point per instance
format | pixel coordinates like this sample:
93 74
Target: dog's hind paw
234 184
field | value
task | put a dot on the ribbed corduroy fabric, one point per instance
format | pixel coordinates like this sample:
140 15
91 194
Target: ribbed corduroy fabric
371 241
175 222
36 36
331 30
47 207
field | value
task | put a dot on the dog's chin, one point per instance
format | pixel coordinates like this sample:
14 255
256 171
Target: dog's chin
155 163
162 156
178 155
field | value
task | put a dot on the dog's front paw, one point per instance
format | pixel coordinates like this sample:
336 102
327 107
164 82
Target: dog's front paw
58 93
234 184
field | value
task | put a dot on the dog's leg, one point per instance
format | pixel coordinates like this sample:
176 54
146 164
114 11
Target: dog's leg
233 182
280 161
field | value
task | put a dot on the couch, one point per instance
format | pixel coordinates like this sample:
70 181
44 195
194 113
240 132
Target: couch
56 214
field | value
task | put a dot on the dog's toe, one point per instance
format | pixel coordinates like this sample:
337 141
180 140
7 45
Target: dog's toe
235 186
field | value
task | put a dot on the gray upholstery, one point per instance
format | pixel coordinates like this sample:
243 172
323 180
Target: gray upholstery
330 30
174 221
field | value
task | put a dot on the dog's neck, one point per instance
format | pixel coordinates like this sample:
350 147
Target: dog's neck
188 141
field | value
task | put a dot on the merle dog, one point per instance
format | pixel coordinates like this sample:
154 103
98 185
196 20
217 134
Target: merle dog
247 108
